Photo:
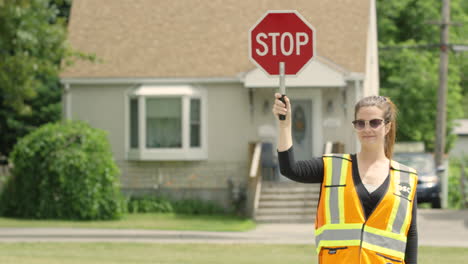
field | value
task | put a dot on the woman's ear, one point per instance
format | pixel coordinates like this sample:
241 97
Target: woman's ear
388 126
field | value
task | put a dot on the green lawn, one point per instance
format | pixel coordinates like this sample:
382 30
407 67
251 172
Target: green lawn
146 221
103 253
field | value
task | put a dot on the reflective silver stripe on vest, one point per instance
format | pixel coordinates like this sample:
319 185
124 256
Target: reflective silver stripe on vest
403 207
355 234
384 242
334 201
338 235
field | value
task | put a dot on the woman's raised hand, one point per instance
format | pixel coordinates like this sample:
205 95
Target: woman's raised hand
279 108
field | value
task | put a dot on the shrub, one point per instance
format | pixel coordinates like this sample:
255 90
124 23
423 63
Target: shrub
149 204
196 207
455 200
63 171
153 204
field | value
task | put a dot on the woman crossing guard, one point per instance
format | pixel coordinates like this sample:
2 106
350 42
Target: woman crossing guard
367 206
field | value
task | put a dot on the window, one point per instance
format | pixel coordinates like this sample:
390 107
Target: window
134 122
195 122
167 123
163 123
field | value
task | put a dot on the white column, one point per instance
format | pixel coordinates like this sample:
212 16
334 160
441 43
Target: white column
66 102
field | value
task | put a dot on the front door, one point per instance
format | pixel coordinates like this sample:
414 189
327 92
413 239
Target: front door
301 130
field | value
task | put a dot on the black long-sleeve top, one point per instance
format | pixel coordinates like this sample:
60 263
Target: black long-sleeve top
311 171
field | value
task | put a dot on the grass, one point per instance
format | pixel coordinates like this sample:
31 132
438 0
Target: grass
425 205
103 253
146 221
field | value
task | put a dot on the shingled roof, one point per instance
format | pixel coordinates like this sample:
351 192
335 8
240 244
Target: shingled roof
195 38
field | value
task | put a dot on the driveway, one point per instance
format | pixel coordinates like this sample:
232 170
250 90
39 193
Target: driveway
443 227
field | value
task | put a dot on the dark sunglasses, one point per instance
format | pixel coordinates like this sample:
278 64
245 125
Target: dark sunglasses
374 123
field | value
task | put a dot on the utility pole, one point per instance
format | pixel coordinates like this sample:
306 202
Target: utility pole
442 91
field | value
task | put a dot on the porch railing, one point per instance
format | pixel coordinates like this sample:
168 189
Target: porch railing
255 178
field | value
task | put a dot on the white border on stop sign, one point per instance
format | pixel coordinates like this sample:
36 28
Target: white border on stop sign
314 38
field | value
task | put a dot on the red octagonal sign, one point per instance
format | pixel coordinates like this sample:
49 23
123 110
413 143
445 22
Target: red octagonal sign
282 36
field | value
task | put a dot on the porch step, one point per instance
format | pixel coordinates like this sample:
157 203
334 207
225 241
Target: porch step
287 202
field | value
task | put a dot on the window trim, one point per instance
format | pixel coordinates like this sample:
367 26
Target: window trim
186 92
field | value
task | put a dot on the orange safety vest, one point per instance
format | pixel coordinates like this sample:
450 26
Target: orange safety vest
344 235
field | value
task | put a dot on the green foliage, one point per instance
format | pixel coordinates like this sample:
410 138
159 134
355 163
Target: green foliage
454 190
153 204
32 49
63 171
454 195
32 45
410 77
63 7
403 20
149 204
196 207
45 108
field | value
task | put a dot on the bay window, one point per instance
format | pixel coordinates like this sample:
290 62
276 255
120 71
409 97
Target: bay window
167 123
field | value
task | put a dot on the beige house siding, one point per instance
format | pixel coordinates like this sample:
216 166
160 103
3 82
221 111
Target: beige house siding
229 127
337 123
334 120
460 149
103 107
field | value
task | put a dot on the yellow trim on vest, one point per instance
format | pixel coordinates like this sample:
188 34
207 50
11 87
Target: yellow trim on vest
328 181
318 231
387 251
396 204
383 233
344 173
413 185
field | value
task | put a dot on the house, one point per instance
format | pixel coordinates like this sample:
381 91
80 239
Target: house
460 148
181 100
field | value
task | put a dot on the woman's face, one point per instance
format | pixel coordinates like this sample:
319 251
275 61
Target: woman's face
369 135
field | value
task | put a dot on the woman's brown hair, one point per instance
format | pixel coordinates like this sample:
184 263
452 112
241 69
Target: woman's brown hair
390 114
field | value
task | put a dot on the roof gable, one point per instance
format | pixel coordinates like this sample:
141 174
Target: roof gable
174 39
318 73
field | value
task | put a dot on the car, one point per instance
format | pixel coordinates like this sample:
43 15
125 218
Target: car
429 181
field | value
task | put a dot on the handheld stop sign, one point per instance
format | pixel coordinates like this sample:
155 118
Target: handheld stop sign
282 43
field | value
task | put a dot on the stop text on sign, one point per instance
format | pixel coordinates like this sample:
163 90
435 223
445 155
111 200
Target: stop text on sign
282 37
287 43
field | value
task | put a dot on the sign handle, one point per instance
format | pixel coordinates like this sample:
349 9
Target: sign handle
282 86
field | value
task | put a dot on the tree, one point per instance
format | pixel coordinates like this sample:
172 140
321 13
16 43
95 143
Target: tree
32 49
411 81
409 76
